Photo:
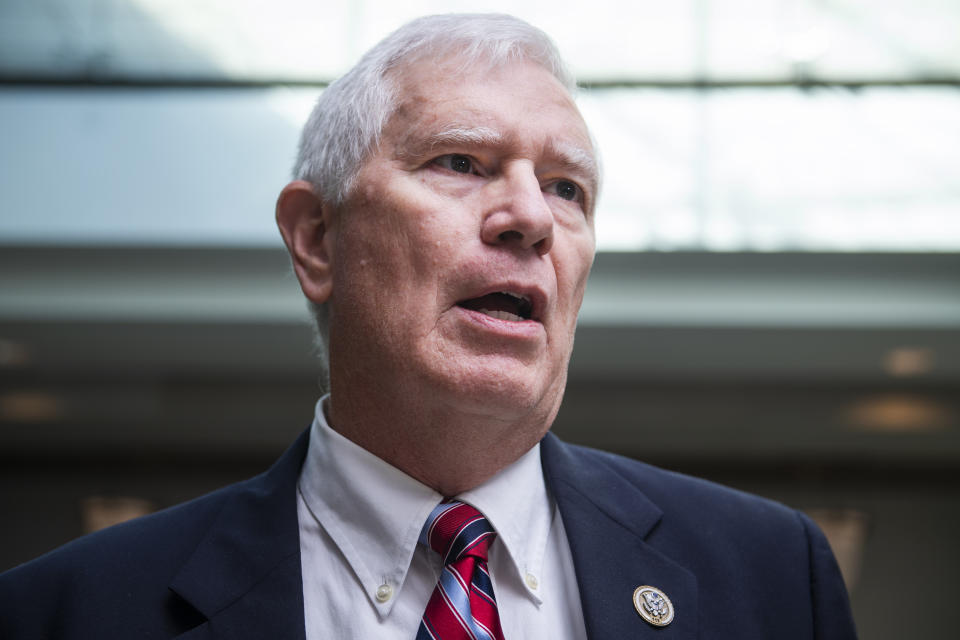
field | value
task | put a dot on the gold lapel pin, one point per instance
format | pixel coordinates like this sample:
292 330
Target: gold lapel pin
653 605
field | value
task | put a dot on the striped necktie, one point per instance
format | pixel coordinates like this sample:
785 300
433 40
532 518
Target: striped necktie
462 606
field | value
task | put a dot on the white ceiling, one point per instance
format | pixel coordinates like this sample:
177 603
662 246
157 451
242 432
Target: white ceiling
603 39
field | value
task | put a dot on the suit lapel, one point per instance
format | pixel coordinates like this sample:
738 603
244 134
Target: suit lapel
244 577
607 519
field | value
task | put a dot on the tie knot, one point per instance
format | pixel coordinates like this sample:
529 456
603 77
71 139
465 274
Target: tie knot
455 529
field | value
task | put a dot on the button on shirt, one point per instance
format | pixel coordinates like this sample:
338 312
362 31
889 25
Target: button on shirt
365 576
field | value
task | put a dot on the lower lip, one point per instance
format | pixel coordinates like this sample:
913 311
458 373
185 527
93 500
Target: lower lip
523 329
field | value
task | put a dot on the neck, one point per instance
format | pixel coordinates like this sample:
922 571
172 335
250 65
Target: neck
446 448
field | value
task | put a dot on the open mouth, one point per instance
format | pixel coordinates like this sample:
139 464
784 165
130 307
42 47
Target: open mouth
501 305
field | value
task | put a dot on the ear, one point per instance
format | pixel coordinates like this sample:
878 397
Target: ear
305 224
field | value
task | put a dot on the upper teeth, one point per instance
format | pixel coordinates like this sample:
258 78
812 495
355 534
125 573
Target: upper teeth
501 315
515 295
506 315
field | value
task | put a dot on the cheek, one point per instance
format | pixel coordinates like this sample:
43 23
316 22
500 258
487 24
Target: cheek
438 238
370 271
377 234
572 272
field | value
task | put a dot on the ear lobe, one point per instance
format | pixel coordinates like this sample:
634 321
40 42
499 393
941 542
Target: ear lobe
305 224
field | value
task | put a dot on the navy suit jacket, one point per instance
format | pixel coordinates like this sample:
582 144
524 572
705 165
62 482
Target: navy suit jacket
227 565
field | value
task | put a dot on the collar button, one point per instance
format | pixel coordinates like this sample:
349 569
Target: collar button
384 592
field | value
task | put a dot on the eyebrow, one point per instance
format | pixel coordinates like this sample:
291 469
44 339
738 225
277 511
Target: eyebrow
577 159
452 135
571 157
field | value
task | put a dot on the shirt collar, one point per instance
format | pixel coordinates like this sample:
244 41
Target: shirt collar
374 512
516 503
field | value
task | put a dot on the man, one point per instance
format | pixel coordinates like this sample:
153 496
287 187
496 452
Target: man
442 228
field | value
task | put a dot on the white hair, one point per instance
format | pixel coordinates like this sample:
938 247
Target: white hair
345 125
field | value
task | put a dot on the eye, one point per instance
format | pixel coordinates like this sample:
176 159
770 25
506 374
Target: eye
567 190
457 163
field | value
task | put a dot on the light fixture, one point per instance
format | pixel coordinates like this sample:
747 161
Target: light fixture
29 406
12 354
846 531
100 512
907 362
898 413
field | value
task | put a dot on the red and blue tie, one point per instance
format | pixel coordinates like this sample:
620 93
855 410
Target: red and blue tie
462 606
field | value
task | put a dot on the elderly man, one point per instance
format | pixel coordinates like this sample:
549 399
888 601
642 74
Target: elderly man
441 227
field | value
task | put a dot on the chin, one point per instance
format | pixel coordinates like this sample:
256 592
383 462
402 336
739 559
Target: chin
509 392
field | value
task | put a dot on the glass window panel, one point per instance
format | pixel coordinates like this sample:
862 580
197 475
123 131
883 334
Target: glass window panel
737 169
840 40
680 41
779 169
154 167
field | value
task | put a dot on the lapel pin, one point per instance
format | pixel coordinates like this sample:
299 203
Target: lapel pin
653 605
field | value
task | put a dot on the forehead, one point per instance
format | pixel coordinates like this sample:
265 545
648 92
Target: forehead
519 105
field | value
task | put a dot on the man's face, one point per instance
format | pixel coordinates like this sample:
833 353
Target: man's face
461 255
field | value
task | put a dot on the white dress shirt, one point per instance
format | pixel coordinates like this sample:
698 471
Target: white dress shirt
365 576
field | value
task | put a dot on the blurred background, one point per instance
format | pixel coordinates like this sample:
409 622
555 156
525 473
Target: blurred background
775 303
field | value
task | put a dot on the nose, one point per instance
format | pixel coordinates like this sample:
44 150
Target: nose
519 215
